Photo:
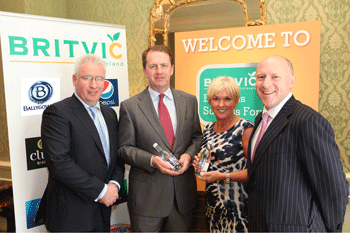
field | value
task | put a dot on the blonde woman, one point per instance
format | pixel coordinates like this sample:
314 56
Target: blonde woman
225 188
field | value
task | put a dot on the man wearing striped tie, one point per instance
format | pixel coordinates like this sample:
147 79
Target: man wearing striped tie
296 179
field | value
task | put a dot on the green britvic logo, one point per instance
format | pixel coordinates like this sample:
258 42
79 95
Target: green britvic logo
41 46
249 103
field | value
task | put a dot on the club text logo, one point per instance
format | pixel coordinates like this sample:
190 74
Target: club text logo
35 153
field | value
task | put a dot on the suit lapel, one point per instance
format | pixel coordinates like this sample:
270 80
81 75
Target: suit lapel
110 134
146 105
256 123
274 129
258 118
180 105
80 112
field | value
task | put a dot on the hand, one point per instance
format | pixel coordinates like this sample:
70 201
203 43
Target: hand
212 176
185 159
163 166
195 161
111 195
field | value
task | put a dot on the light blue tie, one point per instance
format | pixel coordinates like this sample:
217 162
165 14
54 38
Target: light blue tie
102 131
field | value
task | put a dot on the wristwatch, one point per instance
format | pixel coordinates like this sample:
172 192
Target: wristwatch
227 180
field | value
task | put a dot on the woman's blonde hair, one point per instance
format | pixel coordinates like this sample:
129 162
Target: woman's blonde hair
223 83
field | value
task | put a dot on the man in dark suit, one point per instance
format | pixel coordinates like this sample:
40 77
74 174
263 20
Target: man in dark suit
79 138
296 179
159 198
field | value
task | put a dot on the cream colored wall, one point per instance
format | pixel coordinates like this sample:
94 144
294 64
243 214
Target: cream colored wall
16 6
56 8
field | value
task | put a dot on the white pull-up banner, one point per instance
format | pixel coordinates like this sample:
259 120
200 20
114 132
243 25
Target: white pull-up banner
38 55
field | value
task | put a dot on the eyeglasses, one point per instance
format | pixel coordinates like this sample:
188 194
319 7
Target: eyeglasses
90 78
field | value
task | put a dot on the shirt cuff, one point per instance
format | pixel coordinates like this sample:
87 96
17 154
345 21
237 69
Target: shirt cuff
102 194
151 161
105 188
116 183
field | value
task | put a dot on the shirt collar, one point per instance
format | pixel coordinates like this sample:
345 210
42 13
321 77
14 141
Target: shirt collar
85 104
154 95
275 110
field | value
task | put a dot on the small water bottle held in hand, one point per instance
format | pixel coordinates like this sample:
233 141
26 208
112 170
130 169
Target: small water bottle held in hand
203 163
172 160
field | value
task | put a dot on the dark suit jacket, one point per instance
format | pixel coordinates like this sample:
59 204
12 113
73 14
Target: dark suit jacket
152 193
296 180
77 166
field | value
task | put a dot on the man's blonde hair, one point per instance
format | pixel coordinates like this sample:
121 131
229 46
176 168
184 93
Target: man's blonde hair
88 58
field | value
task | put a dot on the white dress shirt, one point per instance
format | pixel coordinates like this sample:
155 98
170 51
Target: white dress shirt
169 103
272 113
102 120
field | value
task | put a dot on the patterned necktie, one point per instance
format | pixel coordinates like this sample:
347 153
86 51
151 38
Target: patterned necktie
165 120
102 131
262 131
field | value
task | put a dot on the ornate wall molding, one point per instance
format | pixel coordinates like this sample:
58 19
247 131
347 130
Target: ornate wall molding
157 14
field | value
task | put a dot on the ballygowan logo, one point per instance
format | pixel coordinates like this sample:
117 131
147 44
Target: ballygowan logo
40 92
35 154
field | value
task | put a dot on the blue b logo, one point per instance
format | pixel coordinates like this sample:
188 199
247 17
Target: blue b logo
40 92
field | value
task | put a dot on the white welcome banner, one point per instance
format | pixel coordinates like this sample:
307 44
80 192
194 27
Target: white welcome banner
38 55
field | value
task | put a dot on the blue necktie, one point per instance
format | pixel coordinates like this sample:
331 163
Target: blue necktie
102 131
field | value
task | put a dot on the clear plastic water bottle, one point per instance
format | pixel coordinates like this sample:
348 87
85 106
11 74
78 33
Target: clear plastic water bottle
203 163
172 160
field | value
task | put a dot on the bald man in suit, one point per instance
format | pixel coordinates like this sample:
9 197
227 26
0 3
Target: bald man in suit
296 179
159 198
